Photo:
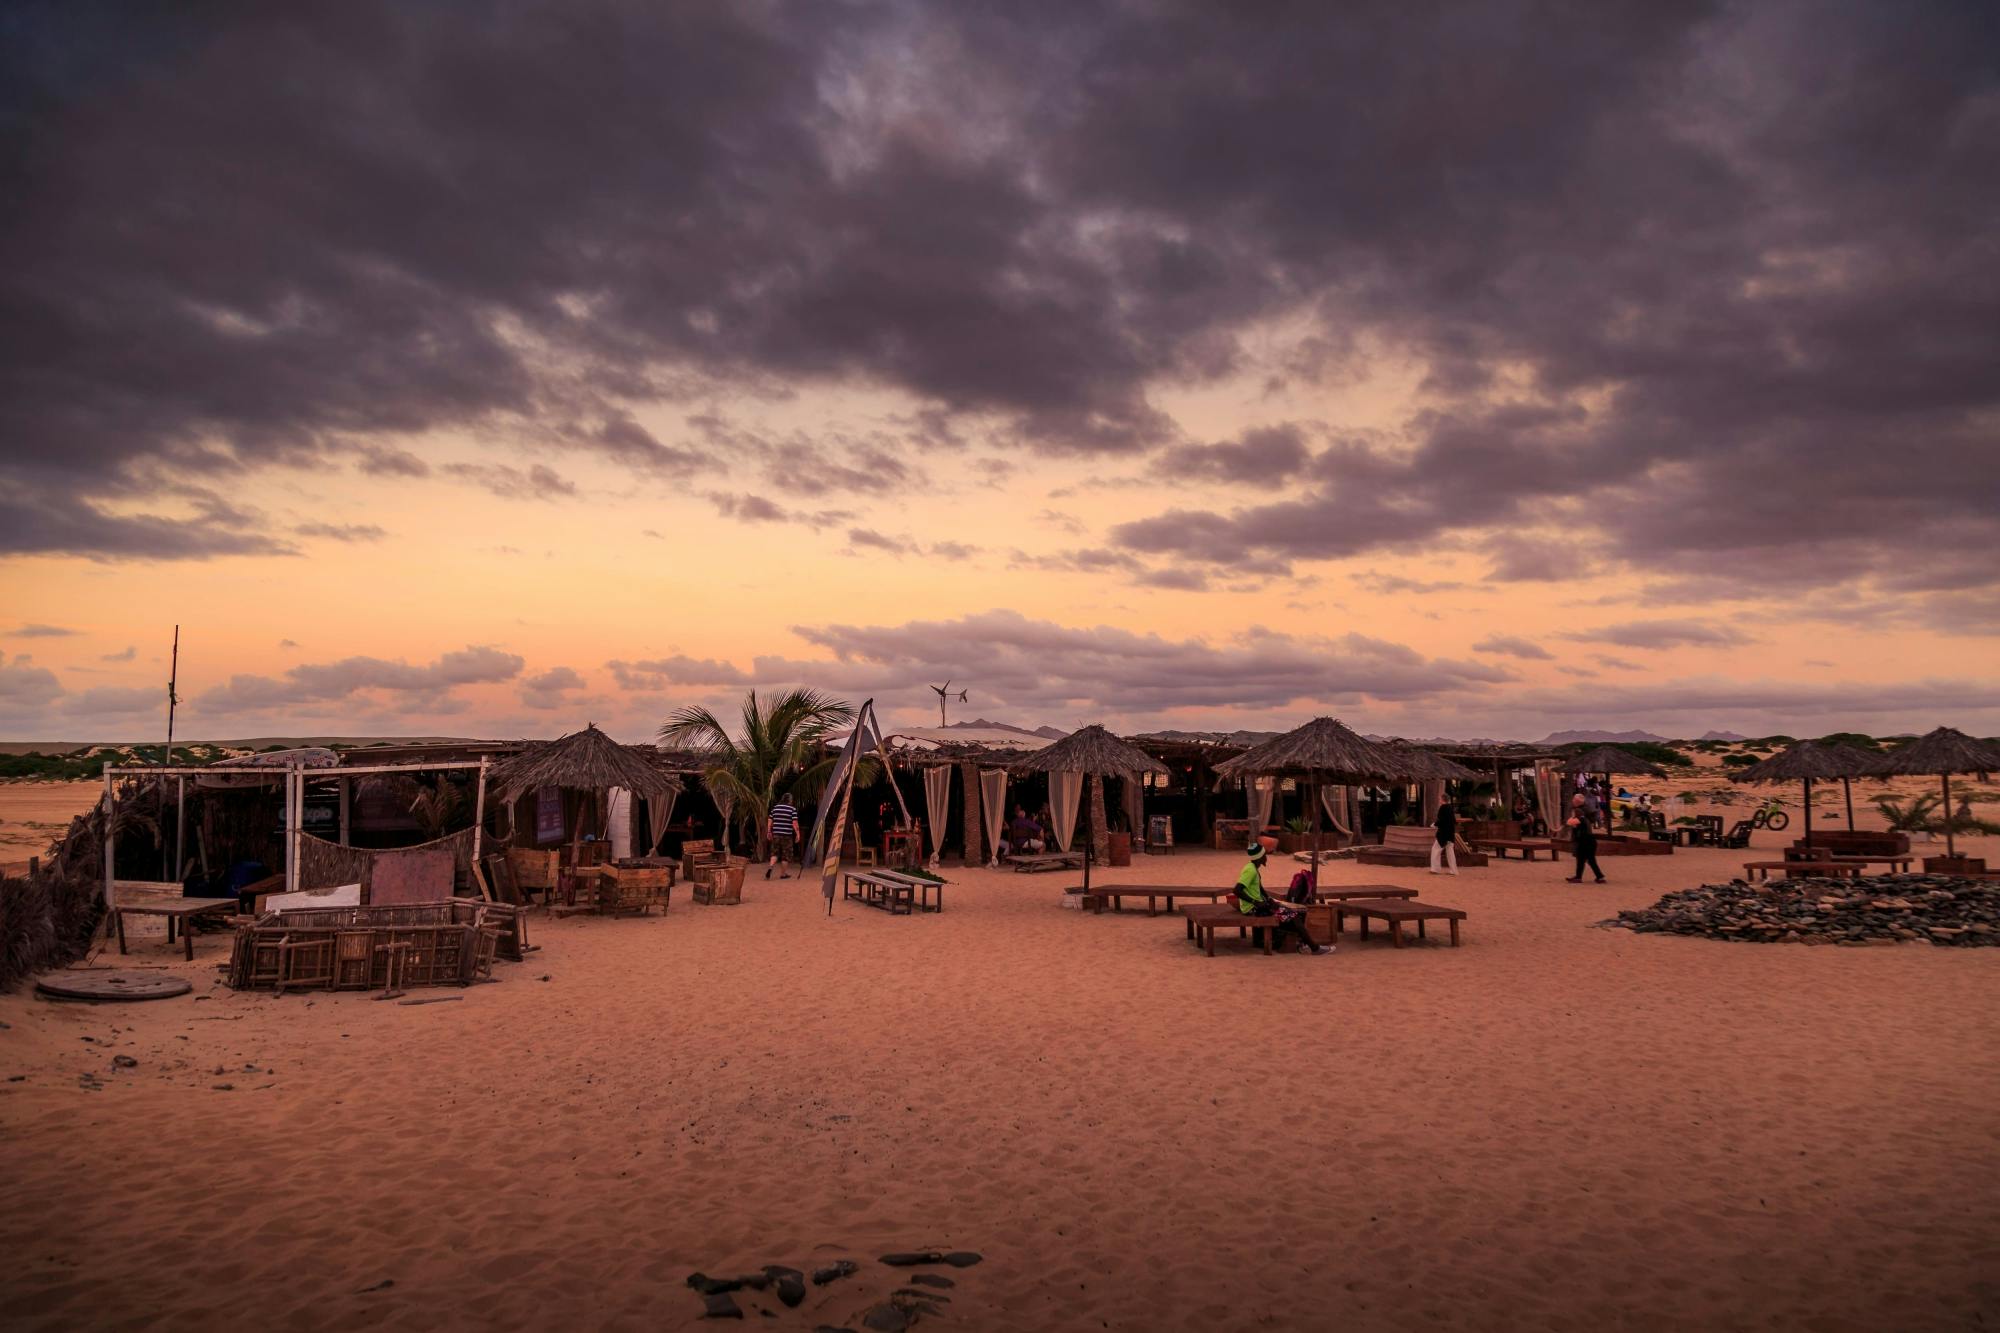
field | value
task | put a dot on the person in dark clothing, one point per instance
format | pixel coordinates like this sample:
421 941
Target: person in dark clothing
1583 838
1446 846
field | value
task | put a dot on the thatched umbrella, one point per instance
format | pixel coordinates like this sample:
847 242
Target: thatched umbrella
1809 760
1089 750
1322 751
1608 759
1944 752
586 760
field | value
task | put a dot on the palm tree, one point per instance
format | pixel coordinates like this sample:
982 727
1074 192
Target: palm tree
776 753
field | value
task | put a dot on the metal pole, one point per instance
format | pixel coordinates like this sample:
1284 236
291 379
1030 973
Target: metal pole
110 841
180 825
292 786
173 679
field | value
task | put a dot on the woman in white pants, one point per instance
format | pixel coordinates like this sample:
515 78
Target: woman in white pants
1445 848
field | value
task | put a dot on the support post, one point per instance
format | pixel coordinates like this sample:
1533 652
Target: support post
478 813
180 826
110 841
293 784
346 788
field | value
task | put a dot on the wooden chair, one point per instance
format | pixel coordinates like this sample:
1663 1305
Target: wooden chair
1738 835
863 853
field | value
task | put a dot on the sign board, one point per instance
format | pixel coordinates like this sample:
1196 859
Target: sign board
548 814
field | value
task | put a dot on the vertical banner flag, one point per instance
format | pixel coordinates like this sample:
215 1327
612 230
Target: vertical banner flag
830 824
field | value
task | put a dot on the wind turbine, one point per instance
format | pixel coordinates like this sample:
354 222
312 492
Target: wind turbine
943 693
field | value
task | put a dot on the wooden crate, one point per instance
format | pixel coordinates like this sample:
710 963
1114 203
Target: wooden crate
534 868
720 884
634 888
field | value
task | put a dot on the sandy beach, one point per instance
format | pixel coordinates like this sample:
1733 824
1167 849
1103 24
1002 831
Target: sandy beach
1553 1126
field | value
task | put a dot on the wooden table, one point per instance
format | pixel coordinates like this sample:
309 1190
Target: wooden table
908 843
1040 861
1343 892
1527 847
1099 894
1395 912
1203 921
177 911
1763 869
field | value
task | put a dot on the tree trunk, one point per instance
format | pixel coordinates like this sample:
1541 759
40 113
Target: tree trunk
1100 835
975 841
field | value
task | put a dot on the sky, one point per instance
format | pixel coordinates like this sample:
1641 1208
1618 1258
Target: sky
1463 370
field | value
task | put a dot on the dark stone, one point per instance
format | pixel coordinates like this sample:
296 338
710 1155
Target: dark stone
791 1290
713 1286
755 1281
912 1294
721 1305
886 1319
911 1258
961 1258
835 1271
124 1062
933 1280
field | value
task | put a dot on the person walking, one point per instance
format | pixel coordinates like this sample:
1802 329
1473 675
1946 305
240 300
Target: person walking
1583 840
784 834
1445 847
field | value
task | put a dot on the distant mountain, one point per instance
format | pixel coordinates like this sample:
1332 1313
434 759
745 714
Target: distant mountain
981 724
1597 737
1731 736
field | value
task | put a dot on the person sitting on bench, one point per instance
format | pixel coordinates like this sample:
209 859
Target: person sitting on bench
1023 835
1251 900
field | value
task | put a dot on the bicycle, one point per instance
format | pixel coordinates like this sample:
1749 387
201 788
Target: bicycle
1772 817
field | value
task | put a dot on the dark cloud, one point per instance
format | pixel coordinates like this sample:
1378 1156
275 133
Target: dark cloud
1512 645
538 482
659 673
1665 634
1651 274
758 509
550 689
1261 455
25 687
1615 663
32 631
341 532
131 652
313 685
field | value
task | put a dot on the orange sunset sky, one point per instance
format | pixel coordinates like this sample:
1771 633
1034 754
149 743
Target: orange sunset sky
439 377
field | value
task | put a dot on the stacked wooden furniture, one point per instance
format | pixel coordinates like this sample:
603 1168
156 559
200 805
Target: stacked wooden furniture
372 948
717 880
535 870
636 885
1410 845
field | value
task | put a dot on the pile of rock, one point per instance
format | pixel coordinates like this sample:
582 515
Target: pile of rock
1888 909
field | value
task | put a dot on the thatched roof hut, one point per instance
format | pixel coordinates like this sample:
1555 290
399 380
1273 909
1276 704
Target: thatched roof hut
586 760
1809 762
1325 750
1090 749
1943 752
1430 766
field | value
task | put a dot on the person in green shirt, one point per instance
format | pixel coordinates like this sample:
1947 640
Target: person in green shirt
1251 900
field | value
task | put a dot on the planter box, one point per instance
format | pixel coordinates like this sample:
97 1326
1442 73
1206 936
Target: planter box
719 885
1954 865
1849 842
1609 844
1118 849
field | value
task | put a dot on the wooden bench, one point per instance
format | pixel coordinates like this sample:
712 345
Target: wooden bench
1899 864
1527 847
1792 869
1338 893
918 885
1409 845
1115 894
892 894
1040 861
1395 912
1205 920
181 911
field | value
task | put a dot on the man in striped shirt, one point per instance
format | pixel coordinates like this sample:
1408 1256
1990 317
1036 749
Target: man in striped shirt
784 832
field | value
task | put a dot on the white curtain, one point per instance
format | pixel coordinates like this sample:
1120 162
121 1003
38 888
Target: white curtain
1263 791
1549 795
1333 800
660 813
618 814
937 799
1135 806
724 806
1065 789
993 807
